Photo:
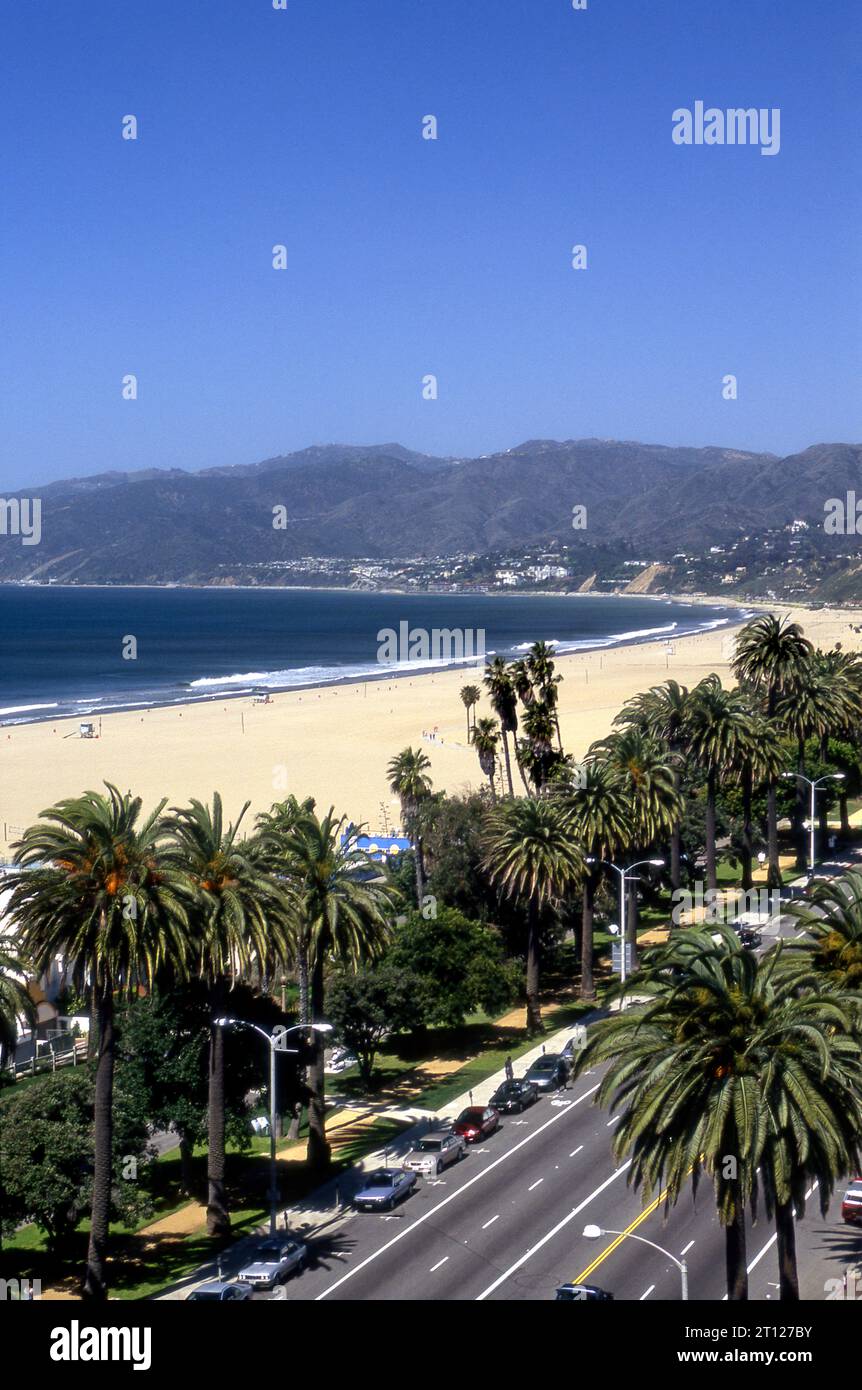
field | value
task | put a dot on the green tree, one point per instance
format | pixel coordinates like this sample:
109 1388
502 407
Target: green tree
504 700
716 731
367 1005
409 780
470 696
486 740
15 1001
94 886
241 919
531 858
457 967
831 950
662 713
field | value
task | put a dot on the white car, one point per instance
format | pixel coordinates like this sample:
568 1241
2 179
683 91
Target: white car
340 1059
273 1261
434 1153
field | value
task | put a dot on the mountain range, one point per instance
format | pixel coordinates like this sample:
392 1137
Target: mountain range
386 501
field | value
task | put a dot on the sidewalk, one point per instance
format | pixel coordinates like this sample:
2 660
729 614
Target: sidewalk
329 1204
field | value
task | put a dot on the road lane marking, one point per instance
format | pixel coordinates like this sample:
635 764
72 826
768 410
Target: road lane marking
687 1248
438 1264
613 1120
559 1226
772 1239
491 1222
535 1184
576 1151
609 1250
647 1294
432 1211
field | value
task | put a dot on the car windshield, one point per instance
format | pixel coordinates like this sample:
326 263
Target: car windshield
379 1180
267 1252
544 1064
469 1117
206 1296
430 1146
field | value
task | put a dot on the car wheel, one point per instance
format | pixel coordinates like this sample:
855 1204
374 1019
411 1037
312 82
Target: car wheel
438 1168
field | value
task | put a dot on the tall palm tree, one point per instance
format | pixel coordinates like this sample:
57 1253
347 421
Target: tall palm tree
530 857
719 1057
716 729
93 887
537 752
15 1001
760 755
486 740
240 919
470 696
770 654
811 707
540 665
522 682
655 805
661 712
504 701
599 815
344 905
409 780
831 949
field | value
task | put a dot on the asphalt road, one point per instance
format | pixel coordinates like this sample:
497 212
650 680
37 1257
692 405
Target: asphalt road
507 1223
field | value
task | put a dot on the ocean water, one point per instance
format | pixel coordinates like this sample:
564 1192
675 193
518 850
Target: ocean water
61 649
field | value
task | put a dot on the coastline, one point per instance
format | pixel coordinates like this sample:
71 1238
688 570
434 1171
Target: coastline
334 742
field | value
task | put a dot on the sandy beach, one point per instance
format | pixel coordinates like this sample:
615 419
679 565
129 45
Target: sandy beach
334 743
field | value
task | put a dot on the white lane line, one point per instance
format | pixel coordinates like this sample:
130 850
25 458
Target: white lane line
687 1248
491 1222
613 1121
432 1211
647 1294
772 1239
438 1264
559 1226
535 1184
576 1151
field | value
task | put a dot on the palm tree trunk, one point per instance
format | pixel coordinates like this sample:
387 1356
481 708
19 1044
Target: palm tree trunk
304 1017
508 763
521 769
785 1227
95 1276
773 877
735 1258
318 1152
632 922
588 988
845 816
218 1216
747 855
711 871
801 789
186 1154
534 1012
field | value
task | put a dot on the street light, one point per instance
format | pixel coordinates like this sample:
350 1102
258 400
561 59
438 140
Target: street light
594 1232
656 863
830 776
275 1039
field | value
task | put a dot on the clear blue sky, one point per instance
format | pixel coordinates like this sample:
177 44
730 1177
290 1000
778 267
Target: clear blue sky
408 256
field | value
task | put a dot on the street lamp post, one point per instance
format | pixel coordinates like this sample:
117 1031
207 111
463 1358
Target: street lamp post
657 863
594 1232
830 776
275 1039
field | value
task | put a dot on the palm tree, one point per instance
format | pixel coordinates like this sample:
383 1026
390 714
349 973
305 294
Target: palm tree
15 1001
760 755
409 780
522 682
344 906
599 815
537 752
93 887
716 730
470 696
530 856
719 1058
770 654
241 918
504 701
540 666
486 741
831 950
655 804
661 712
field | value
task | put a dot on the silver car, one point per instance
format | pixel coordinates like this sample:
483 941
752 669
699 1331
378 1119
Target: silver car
272 1261
434 1153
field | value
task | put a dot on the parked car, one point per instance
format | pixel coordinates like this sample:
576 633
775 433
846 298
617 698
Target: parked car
273 1261
514 1095
383 1188
576 1043
339 1060
434 1153
549 1072
851 1203
219 1292
748 938
476 1122
581 1293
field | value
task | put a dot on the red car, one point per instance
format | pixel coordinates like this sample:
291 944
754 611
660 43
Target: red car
851 1206
476 1122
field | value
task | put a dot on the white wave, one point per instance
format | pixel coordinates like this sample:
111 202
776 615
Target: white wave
22 709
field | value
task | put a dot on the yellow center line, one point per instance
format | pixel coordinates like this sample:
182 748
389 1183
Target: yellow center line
609 1250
